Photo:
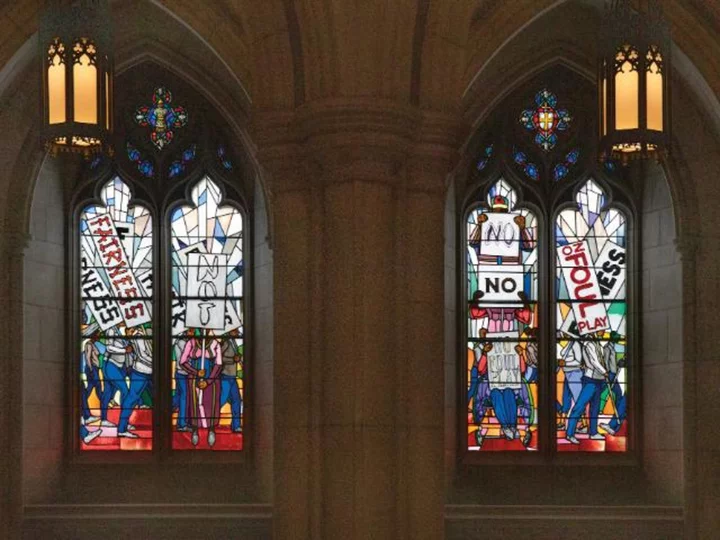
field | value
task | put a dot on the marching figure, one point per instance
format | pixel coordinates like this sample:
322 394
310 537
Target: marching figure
140 379
615 393
479 392
90 375
117 358
181 386
571 363
594 379
229 392
202 359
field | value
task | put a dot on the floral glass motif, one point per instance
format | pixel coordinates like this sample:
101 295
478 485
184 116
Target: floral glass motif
178 166
484 160
144 166
545 120
207 322
116 289
162 117
591 306
611 166
561 170
530 169
502 317
224 158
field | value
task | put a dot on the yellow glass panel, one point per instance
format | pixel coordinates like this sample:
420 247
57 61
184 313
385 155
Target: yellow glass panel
654 98
85 91
627 108
56 91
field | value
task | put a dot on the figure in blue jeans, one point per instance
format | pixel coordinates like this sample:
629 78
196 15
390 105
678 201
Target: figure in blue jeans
479 387
117 351
181 387
229 391
618 397
505 401
86 435
90 369
140 379
571 363
593 382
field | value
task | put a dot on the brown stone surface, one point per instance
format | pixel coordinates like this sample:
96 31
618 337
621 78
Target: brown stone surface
353 115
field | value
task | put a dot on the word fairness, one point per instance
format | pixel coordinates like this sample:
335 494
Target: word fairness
119 272
104 309
583 288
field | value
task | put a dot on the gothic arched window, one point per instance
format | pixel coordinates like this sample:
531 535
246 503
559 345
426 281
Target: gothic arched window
160 237
548 242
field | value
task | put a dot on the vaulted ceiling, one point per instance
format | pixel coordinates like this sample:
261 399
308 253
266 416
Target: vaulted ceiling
426 52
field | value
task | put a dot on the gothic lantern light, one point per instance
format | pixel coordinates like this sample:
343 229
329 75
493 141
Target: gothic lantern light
77 75
634 82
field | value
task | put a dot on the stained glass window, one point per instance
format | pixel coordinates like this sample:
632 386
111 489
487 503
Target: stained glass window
159 255
207 322
545 239
591 307
116 346
485 158
224 158
178 166
502 319
562 169
530 169
161 117
545 120
144 166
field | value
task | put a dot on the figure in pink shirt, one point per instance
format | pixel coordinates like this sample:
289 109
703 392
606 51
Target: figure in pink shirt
202 359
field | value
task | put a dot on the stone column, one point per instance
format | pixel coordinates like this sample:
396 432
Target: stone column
421 373
358 235
702 373
687 247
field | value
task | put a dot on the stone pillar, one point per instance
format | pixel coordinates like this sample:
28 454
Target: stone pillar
358 229
701 258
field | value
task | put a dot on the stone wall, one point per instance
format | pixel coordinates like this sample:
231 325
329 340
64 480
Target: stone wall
662 342
45 315
262 372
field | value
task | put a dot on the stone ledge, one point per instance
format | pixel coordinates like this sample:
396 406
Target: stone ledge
461 512
52 512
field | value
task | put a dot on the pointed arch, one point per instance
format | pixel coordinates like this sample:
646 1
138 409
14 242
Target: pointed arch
501 270
591 311
207 278
115 285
